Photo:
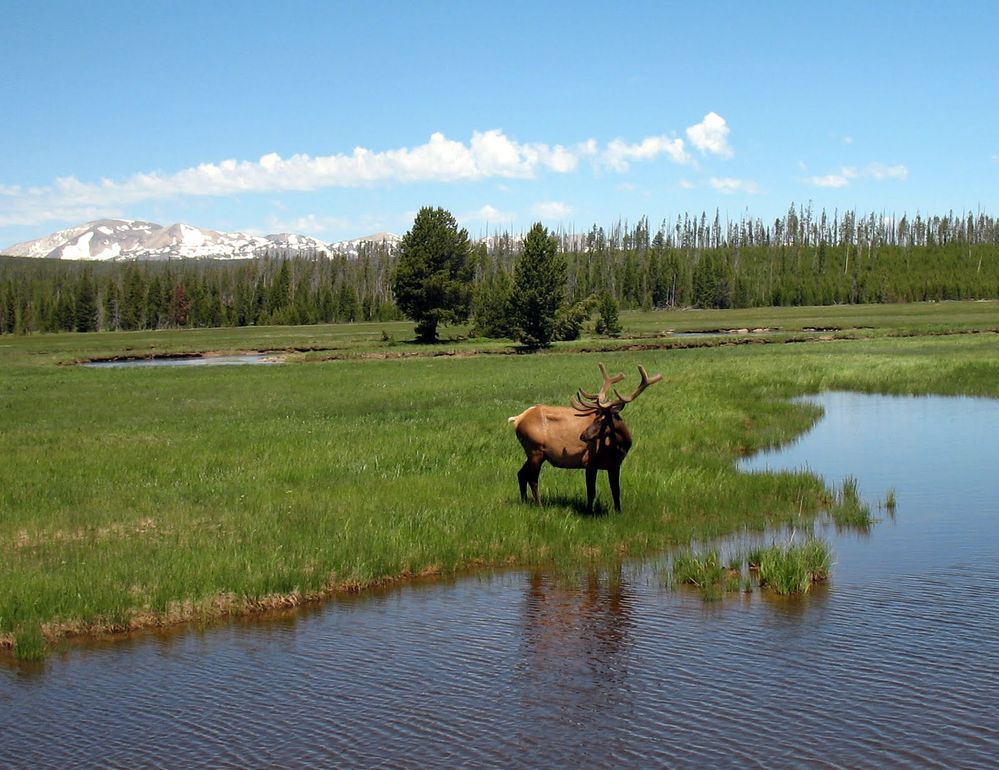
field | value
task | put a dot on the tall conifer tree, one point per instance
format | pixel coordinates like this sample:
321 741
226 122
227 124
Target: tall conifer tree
433 277
539 281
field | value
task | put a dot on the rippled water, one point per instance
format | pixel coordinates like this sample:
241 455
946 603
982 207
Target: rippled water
894 663
250 358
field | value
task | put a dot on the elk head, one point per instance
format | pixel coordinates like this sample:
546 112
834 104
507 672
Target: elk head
589 435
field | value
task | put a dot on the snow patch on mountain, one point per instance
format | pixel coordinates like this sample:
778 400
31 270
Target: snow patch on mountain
80 248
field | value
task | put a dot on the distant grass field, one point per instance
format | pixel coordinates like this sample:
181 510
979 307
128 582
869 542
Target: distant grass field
135 497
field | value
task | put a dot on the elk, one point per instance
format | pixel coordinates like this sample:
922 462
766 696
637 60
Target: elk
589 435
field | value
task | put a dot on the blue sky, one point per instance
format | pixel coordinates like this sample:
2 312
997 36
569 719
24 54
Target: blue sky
342 119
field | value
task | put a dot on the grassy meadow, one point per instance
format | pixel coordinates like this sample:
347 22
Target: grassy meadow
145 496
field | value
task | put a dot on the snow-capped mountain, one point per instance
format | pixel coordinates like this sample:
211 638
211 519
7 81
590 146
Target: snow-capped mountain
133 239
103 239
352 247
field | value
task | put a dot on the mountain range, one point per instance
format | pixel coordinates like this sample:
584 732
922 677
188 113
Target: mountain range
128 239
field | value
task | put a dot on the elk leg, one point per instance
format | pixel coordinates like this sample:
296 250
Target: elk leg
591 487
614 477
522 476
528 474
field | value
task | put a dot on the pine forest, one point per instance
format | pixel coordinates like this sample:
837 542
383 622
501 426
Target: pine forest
702 261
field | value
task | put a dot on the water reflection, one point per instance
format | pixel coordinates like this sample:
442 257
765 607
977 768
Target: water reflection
588 614
576 637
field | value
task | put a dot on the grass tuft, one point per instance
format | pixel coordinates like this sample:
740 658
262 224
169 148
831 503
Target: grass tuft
848 510
707 572
29 644
791 569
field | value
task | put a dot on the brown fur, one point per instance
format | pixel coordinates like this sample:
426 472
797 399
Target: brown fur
590 435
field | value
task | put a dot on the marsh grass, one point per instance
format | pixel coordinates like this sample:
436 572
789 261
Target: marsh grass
848 510
29 644
134 497
792 569
707 572
786 568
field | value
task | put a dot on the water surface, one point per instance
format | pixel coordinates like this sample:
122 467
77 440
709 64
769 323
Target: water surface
250 358
894 663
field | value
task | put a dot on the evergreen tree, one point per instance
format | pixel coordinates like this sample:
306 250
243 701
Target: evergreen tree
8 309
280 293
65 309
491 307
434 272
85 311
327 305
570 318
608 321
347 307
538 288
155 307
180 306
133 306
112 306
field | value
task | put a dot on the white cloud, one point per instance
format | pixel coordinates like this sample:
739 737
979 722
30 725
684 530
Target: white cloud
310 224
488 154
880 171
551 210
686 184
497 155
730 186
876 171
489 214
618 153
847 140
829 180
711 135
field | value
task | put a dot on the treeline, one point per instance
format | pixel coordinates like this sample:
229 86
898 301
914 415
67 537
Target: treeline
801 258
49 295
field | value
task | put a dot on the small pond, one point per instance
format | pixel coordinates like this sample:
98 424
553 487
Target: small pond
895 663
250 358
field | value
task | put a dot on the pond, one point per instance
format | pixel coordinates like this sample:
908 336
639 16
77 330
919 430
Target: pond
206 360
894 663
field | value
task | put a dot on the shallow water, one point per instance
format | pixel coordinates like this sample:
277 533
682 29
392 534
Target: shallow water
894 663
728 333
253 358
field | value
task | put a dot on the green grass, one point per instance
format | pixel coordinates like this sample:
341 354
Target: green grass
862 320
848 510
785 568
707 572
131 497
792 569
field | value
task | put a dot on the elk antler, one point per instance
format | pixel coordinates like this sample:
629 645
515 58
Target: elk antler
646 381
596 401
